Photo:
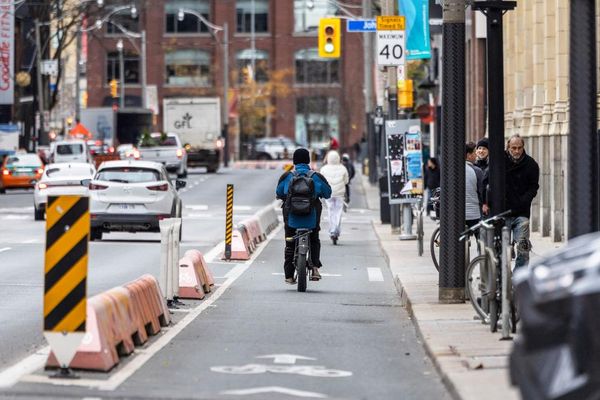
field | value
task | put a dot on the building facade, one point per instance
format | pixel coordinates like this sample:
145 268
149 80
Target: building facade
184 59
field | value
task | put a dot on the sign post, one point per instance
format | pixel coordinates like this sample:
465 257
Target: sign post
65 276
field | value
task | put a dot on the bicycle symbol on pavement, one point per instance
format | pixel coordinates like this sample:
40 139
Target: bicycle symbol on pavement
304 370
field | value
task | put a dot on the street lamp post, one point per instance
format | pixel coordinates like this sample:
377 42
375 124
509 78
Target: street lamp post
121 75
225 107
39 81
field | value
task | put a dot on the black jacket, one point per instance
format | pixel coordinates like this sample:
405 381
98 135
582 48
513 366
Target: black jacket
522 184
431 178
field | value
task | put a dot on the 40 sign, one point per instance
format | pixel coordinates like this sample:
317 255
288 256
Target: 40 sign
391 48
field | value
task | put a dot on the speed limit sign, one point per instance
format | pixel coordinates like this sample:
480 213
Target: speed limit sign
391 47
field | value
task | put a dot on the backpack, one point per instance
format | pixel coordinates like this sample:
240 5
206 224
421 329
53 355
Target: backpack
301 191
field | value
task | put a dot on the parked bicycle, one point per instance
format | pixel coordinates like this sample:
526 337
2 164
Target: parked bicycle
488 276
434 241
301 257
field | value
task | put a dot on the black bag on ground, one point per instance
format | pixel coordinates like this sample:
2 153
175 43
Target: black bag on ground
557 353
301 191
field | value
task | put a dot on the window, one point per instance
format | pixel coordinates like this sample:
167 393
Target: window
317 118
312 69
131 66
190 23
123 19
244 15
188 68
307 14
261 64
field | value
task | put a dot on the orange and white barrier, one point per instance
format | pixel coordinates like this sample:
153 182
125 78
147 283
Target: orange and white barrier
169 258
117 321
206 276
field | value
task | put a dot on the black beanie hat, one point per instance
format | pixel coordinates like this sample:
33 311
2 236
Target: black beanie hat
483 143
301 156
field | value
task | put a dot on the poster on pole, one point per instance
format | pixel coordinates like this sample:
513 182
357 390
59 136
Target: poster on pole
413 151
405 160
7 51
418 44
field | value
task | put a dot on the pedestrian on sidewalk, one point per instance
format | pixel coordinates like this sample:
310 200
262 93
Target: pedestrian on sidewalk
471 159
351 172
483 162
522 184
473 182
337 176
431 176
292 221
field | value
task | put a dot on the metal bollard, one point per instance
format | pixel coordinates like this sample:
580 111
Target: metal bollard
505 260
407 221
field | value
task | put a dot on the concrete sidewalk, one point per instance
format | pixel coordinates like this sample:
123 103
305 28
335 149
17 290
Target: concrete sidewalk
469 358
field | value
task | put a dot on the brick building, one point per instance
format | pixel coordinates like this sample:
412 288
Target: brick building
184 60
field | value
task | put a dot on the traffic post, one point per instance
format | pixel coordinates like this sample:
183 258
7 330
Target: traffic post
229 222
65 276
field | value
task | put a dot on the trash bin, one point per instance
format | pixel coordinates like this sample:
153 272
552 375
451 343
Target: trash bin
557 352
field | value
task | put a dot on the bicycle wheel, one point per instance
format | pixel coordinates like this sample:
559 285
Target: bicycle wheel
434 247
301 271
475 286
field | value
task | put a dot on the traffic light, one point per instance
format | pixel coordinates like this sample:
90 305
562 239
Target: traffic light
330 38
114 88
405 94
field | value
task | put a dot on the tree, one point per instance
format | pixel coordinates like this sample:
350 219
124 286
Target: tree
255 105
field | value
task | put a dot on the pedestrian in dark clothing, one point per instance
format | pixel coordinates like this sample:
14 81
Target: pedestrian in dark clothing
522 184
292 222
431 180
351 172
483 162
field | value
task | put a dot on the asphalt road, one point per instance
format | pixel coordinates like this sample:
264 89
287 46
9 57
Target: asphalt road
347 337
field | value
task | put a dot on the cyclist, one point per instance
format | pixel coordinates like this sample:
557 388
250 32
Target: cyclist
337 175
320 189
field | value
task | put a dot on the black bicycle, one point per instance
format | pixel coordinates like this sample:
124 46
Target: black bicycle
302 263
434 241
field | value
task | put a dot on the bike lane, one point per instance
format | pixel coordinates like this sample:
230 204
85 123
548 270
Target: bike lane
346 337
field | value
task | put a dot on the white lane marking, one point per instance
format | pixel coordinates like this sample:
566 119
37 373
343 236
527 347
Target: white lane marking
15 217
31 241
286 358
22 284
11 375
274 389
5 249
241 208
375 274
318 371
322 274
197 207
15 210
199 215
138 362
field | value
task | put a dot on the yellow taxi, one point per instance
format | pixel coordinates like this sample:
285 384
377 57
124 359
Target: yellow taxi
20 171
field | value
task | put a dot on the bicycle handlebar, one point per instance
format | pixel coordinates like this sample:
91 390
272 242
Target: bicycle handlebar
488 221
303 232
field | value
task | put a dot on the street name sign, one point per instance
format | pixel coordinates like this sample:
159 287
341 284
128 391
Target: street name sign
361 25
391 23
391 47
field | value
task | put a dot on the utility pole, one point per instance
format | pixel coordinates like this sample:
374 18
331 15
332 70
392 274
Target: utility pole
584 197
226 94
253 36
368 89
144 70
452 269
39 80
392 75
121 75
78 74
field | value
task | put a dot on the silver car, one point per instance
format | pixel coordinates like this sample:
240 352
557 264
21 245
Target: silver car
132 196
60 179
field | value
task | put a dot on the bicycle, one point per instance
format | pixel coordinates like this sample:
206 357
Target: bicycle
302 262
434 241
488 284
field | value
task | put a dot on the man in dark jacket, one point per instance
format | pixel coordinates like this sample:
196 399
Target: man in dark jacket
522 184
292 222
483 162
347 162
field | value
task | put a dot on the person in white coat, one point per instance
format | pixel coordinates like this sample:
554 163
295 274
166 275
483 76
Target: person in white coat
337 176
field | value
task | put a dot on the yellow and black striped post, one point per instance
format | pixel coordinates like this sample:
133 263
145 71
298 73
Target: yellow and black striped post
229 222
65 268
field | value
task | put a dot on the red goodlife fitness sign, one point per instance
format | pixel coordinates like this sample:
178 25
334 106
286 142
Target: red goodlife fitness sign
7 51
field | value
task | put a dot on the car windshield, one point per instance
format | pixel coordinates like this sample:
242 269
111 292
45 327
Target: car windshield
163 141
69 149
22 160
68 171
128 175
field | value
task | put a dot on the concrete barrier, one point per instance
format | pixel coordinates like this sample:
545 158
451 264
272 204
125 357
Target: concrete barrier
204 272
117 321
190 281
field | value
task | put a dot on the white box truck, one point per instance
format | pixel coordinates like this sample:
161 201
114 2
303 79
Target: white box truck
197 121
